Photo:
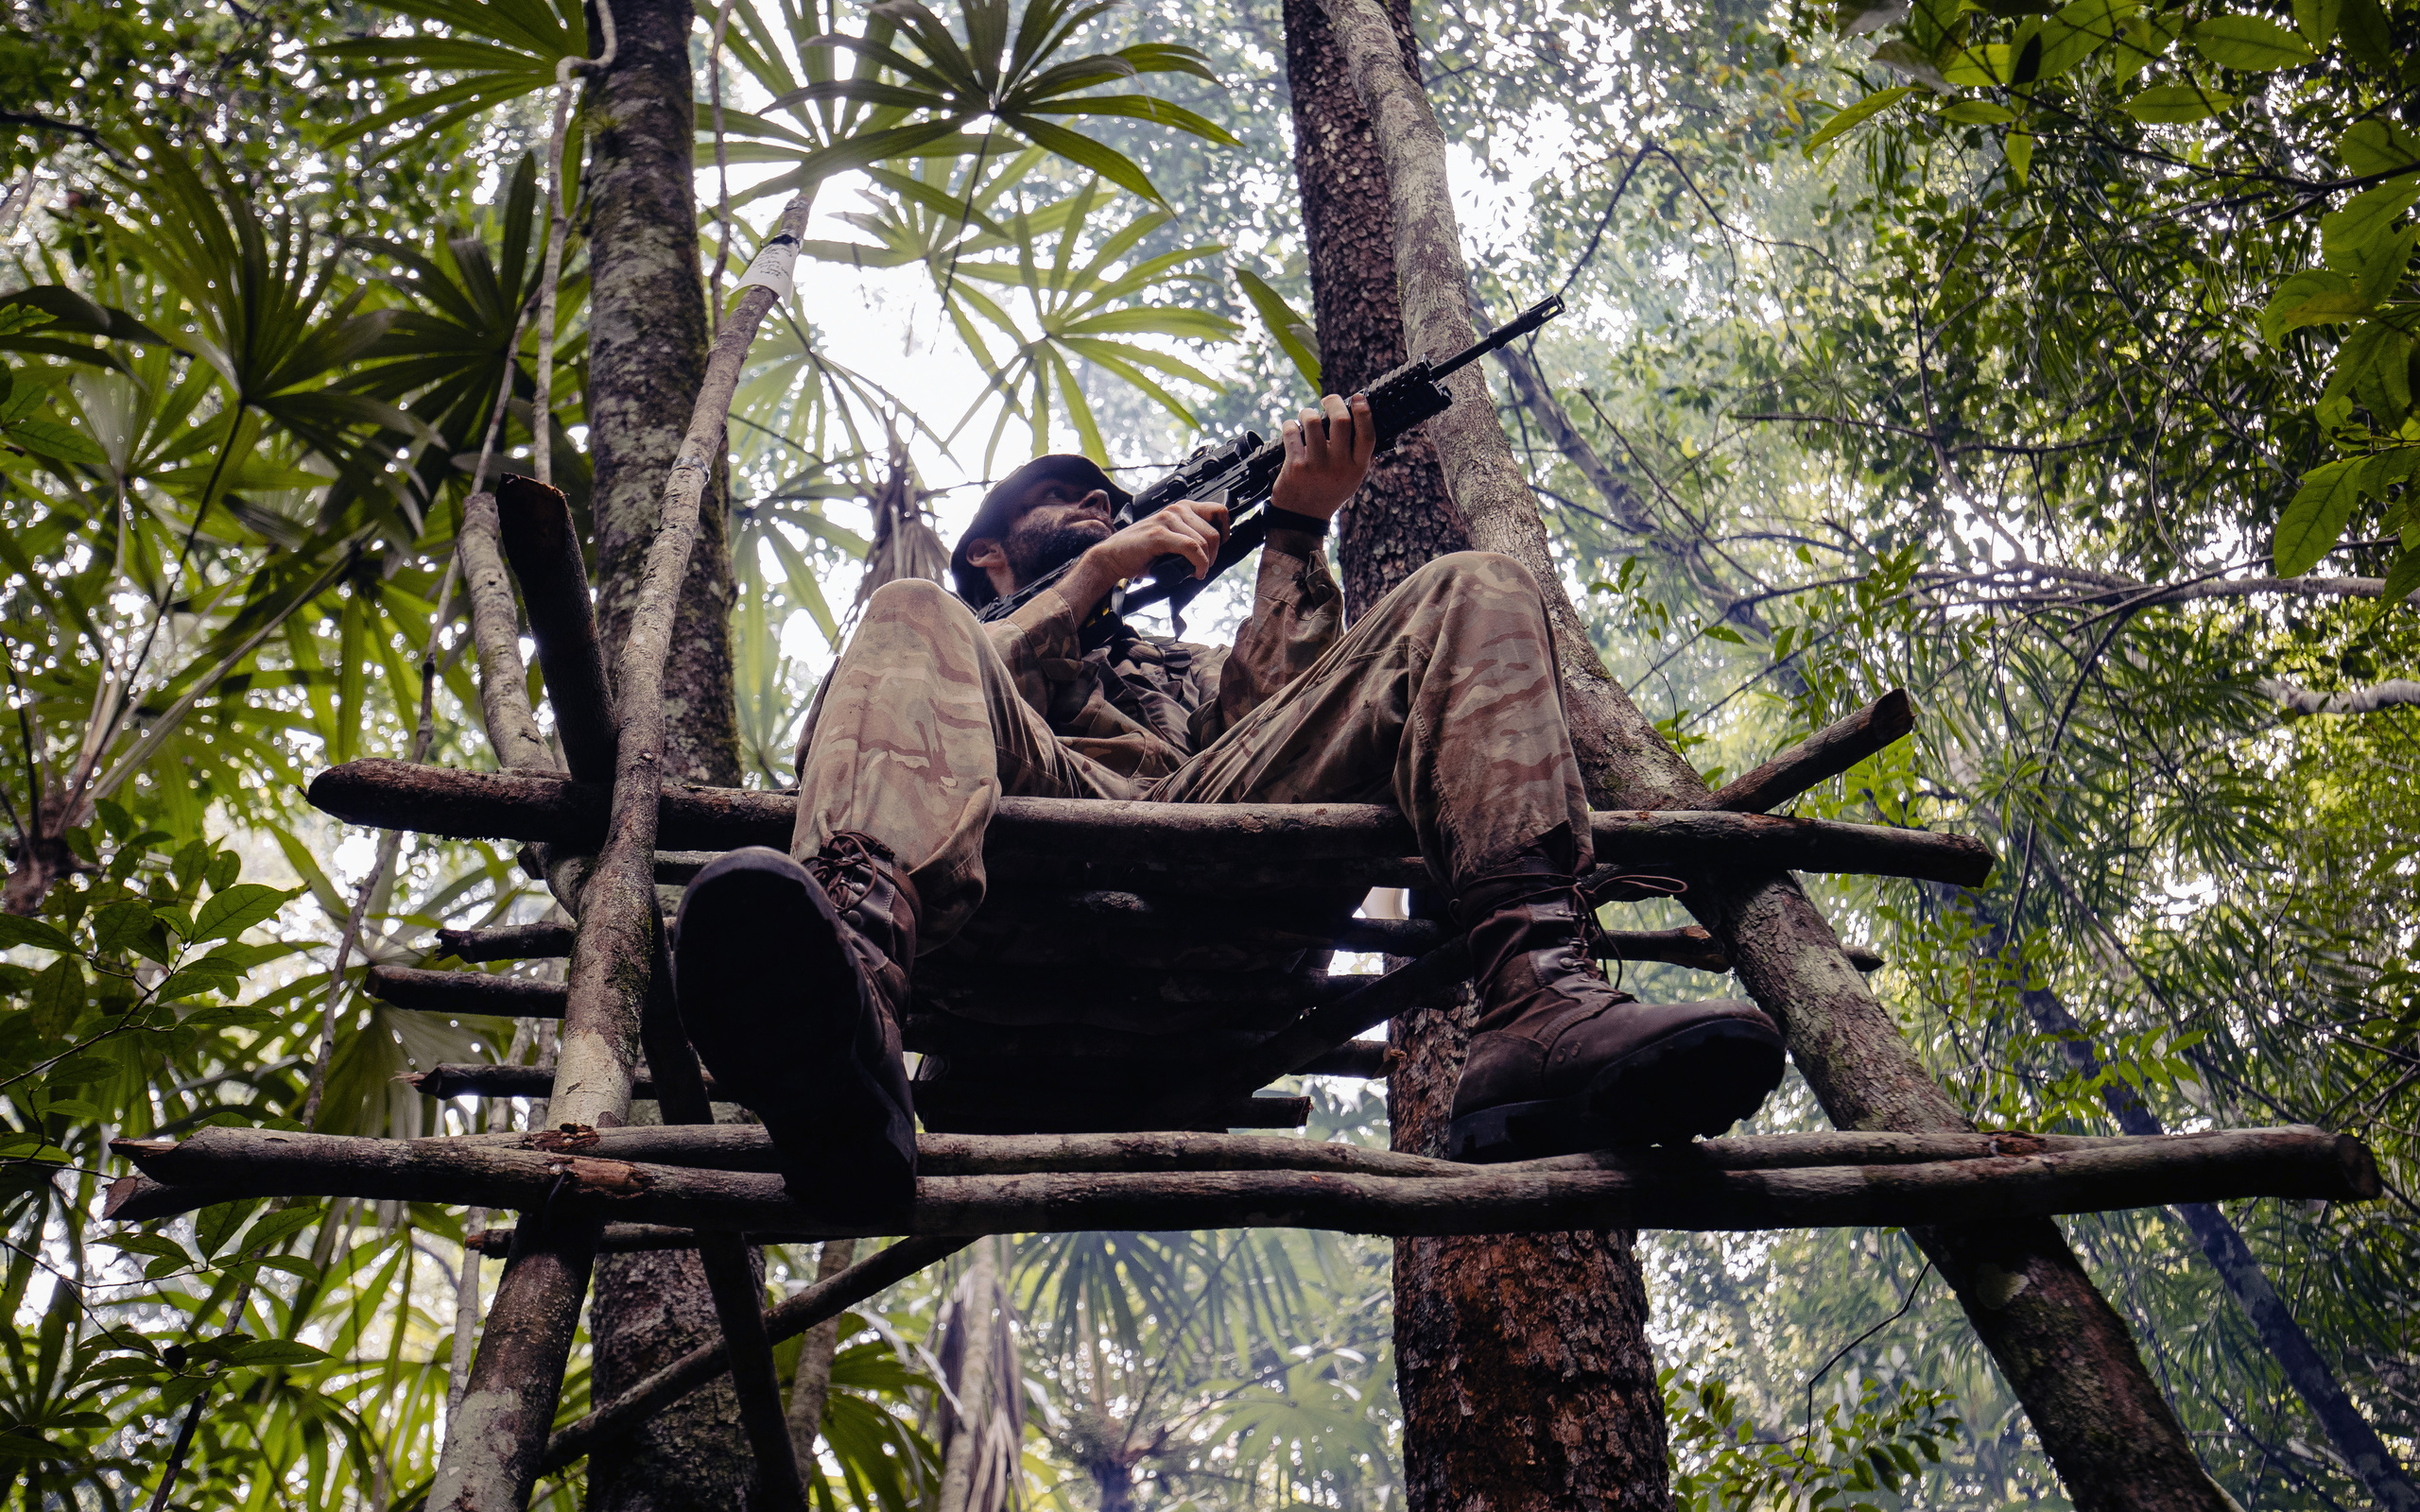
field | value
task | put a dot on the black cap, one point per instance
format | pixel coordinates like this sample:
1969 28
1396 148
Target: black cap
999 511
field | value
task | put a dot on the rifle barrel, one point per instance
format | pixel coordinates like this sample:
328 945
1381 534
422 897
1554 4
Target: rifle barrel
1512 330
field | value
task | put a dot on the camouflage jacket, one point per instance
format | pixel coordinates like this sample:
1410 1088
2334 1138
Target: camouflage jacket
1144 703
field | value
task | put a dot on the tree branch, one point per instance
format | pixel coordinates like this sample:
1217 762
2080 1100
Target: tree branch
1725 1185
2299 700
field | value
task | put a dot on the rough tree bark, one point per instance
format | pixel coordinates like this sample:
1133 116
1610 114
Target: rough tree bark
2063 1347
646 355
1522 1362
646 359
1401 518
811 1386
653 1308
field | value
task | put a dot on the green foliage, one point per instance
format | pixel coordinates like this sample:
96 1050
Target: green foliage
932 86
497 51
144 961
1860 1457
1292 334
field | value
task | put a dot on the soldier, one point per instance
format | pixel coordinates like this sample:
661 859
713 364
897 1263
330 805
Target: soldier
793 971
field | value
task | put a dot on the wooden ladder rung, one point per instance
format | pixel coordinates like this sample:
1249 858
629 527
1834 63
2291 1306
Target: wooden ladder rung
1144 1181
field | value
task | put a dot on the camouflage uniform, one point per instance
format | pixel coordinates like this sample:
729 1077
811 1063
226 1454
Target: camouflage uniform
1442 700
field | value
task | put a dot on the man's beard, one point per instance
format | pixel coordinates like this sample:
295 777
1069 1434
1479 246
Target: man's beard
1035 550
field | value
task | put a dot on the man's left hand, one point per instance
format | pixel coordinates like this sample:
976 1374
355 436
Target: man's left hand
1327 454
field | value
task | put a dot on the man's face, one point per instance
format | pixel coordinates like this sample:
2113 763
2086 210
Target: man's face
1057 523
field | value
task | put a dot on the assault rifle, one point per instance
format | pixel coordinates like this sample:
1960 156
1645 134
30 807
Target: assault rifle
1240 473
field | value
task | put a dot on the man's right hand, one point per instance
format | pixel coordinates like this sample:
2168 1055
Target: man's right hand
1188 528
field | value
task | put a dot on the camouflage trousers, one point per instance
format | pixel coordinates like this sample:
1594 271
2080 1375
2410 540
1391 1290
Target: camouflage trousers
1442 700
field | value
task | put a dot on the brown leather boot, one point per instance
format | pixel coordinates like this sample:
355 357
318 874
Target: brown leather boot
1562 1061
792 980
876 900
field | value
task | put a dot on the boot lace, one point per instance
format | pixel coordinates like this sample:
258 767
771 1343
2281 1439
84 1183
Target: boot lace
1585 894
845 868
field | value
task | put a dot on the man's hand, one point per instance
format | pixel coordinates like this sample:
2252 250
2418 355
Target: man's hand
1327 454
1188 528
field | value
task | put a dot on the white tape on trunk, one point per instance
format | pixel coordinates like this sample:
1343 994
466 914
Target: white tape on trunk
770 268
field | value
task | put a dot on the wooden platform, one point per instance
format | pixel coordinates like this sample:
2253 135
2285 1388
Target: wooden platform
1138 965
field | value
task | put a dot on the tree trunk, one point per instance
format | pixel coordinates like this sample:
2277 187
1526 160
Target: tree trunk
651 1307
1522 1362
811 1387
647 360
2065 1351
1401 518
961 1426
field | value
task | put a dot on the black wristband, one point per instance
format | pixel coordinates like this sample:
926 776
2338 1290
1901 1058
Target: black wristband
1287 520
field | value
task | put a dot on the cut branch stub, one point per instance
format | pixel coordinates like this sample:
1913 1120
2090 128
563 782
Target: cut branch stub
620 1239
506 942
1820 757
542 545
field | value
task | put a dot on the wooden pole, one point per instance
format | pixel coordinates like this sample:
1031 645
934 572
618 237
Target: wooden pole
506 942
491 1458
811 1384
731 1276
495 633
542 543
785 1319
1203 838
1821 756
1681 1186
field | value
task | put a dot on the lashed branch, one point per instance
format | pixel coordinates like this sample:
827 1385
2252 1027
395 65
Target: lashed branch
1688 945
483 1079
949 1104
1820 757
748 1147
1198 837
492 1444
619 1239
466 993
1679 1188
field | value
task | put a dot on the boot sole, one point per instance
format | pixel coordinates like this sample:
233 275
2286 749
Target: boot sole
1696 1082
772 999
